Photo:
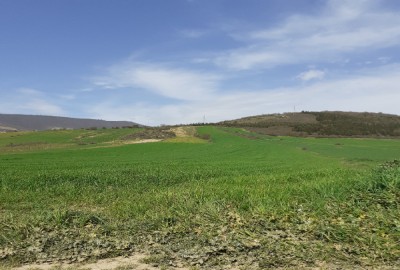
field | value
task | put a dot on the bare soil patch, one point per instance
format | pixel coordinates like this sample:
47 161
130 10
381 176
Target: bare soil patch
184 131
136 261
142 141
150 133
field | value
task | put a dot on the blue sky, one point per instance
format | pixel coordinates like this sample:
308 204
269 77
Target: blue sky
176 61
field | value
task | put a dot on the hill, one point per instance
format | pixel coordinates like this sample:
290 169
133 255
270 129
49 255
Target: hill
324 124
15 122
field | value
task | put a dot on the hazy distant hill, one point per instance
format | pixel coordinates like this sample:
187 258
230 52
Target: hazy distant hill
14 122
322 124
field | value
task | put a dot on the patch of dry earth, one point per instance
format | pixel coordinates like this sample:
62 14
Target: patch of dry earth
132 262
184 131
142 141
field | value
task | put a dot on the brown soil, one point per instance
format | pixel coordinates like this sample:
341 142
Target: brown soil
135 261
184 131
142 141
150 133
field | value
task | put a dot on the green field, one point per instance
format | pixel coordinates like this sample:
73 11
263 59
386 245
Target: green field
265 201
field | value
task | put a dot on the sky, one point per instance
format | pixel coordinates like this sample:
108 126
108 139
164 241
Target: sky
160 62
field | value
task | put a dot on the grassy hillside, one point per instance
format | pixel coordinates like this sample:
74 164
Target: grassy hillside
322 124
238 199
28 141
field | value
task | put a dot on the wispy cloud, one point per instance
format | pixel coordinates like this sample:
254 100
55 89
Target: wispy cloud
29 101
29 92
68 97
342 31
312 74
192 33
170 82
40 106
342 27
356 93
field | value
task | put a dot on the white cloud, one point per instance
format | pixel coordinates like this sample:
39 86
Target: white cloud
86 89
68 96
312 74
375 90
332 36
192 33
168 82
248 58
343 27
29 91
40 106
29 101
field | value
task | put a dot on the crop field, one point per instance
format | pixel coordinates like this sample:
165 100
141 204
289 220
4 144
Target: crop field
221 198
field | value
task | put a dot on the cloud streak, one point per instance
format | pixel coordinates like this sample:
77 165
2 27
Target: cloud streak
170 82
343 27
312 74
30 101
356 93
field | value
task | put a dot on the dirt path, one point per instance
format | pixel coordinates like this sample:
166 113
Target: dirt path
142 141
184 131
135 262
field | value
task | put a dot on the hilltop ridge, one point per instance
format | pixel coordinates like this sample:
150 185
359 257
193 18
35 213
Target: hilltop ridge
20 122
322 124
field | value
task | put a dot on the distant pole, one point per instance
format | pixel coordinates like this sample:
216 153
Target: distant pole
204 119
294 108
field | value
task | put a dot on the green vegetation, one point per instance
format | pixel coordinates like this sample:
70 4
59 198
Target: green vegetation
325 124
238 198
46 140
353 124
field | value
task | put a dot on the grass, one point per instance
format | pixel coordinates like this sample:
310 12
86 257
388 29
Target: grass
238 193
60 139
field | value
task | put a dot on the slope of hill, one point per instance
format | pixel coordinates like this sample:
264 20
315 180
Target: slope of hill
15 122
322 124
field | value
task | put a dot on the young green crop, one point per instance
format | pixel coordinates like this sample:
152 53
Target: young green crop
153 186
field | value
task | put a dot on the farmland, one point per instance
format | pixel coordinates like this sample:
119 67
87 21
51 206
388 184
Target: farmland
220 198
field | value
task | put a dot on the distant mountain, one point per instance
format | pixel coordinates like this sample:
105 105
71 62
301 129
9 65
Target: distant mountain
15 122
322 124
